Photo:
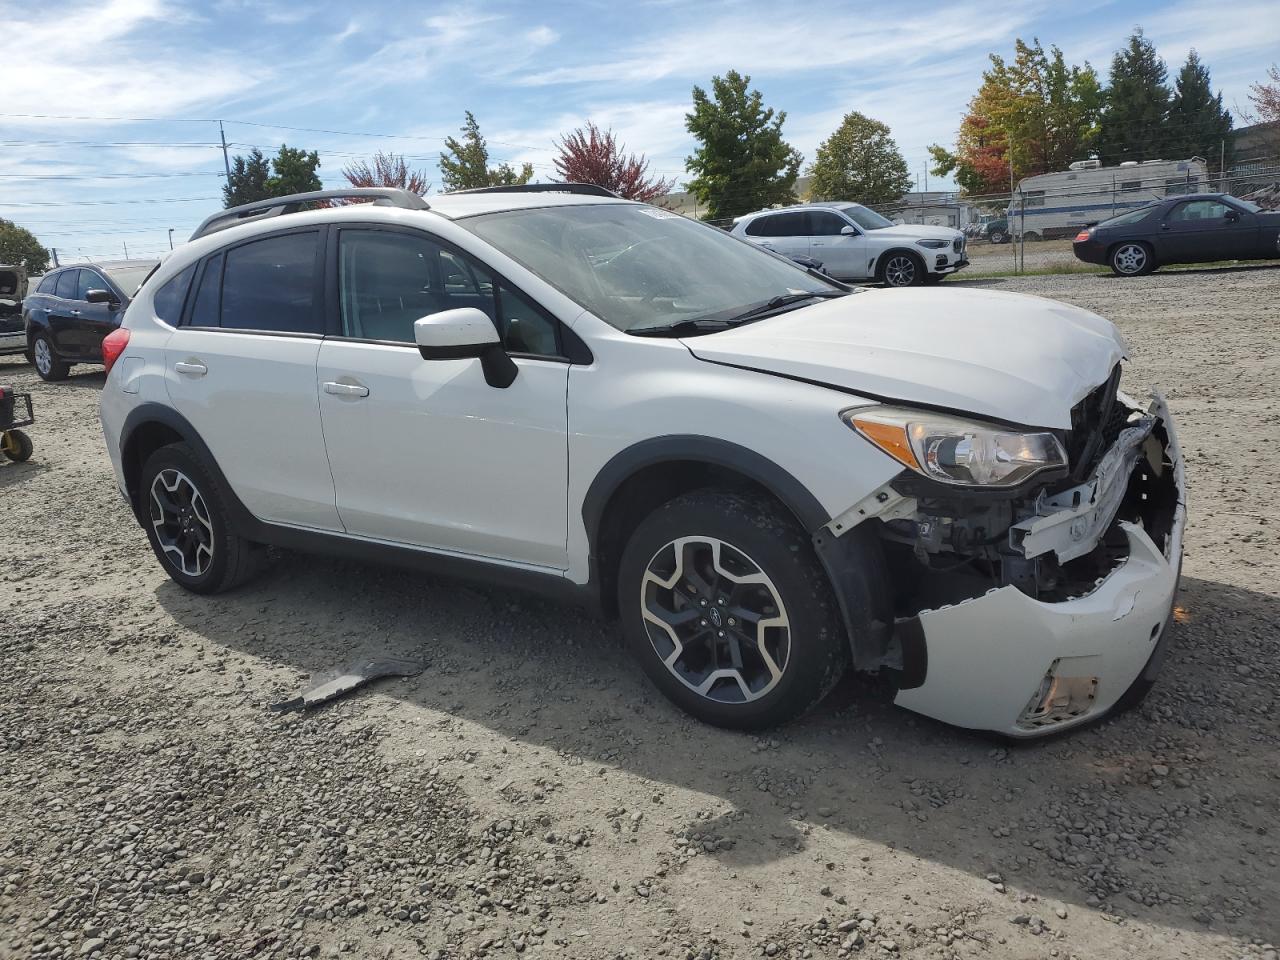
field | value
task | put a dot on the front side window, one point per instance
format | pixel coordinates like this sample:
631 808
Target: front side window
270 285
1199 210
825 224
68 283
389 280
638 267
89 281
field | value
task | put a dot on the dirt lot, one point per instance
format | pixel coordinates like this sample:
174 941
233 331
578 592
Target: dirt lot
531 794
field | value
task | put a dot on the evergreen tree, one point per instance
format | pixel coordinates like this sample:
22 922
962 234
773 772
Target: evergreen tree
468 167
742 163
248 180
1199 126
1137 105
255 178
861 162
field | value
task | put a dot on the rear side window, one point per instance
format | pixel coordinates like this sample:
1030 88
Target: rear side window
47 284
270 285
168 300
205 307
780 225
67 283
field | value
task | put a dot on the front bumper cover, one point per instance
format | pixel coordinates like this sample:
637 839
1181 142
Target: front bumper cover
988 656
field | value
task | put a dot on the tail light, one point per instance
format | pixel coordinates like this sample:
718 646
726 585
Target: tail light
1081 237
113 345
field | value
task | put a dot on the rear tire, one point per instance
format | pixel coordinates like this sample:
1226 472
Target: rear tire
998 236
1131 259
184 513
48 364
17 446
729 611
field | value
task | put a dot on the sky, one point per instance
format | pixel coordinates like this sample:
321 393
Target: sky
109 109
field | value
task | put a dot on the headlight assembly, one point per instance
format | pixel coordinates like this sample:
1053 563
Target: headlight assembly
957 451
934 244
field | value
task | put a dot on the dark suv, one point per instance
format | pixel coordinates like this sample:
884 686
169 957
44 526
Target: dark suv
74 308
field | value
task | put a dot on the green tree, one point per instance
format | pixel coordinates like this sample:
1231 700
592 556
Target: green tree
743 163
1199 125
294 171
861 162
19 247
468 167
1035 113
254 178
248 180
1133 120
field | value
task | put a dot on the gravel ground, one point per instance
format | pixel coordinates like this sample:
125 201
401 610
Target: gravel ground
530 794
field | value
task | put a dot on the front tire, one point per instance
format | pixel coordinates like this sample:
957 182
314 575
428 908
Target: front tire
184 513
998 236
49 365
1131 259
901 269
728 610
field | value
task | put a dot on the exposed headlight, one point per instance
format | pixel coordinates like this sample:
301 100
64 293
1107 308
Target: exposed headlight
957 451
933 244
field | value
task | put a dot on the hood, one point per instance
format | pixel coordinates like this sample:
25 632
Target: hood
913 231
1003 356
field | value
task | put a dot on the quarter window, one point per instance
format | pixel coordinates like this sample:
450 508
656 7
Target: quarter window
168 300
270 285
205 308
68 281
48 283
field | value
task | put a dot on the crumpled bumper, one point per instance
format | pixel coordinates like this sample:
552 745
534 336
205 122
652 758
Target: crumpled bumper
991 660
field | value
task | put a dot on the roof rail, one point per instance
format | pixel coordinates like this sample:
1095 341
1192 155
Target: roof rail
276 206
583 189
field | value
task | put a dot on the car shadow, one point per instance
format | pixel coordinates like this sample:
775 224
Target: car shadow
1079 818
1181 271
16 474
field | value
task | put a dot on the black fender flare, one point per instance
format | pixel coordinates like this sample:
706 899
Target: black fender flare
698 449
244 522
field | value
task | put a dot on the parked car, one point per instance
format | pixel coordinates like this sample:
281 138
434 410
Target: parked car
997 231
73 308
765 475
1194 229
856 243
13 287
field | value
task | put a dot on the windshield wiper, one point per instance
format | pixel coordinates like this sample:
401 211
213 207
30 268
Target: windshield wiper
682 328
782 301
696 325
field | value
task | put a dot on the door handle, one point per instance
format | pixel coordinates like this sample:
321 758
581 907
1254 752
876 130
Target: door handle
75 313
815 243
346 389
194 369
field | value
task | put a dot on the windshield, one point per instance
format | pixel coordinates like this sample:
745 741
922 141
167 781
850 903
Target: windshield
639 268
867 219
1247 205
129 278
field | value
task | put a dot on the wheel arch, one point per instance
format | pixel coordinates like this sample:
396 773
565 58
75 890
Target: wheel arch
885 254
150 426
642 477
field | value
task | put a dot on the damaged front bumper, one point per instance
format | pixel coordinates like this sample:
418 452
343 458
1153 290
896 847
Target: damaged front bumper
1008 662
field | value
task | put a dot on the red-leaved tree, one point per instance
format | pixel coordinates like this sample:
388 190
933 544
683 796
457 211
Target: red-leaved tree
595 156
388 170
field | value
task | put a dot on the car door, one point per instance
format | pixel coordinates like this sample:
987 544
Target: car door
841 254
785 233
425 452
241 368
95 320
1202 230
64 315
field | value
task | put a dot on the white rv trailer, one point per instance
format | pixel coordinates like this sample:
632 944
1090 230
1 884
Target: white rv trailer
1055 205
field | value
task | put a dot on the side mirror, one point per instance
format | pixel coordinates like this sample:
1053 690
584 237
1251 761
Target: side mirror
465 334
1231 216
848 231
102 296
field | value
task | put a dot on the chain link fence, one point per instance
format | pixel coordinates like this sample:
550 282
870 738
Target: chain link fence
1030 230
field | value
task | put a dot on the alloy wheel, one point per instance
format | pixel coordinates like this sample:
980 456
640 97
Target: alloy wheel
181 521
1130 258
43 356
715 620
900 271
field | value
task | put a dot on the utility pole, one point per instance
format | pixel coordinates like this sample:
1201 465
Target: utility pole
126 249
54 252
926 179
225 162
1008 220
171 238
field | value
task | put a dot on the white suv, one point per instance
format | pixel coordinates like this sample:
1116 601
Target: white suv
766 476
853 242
